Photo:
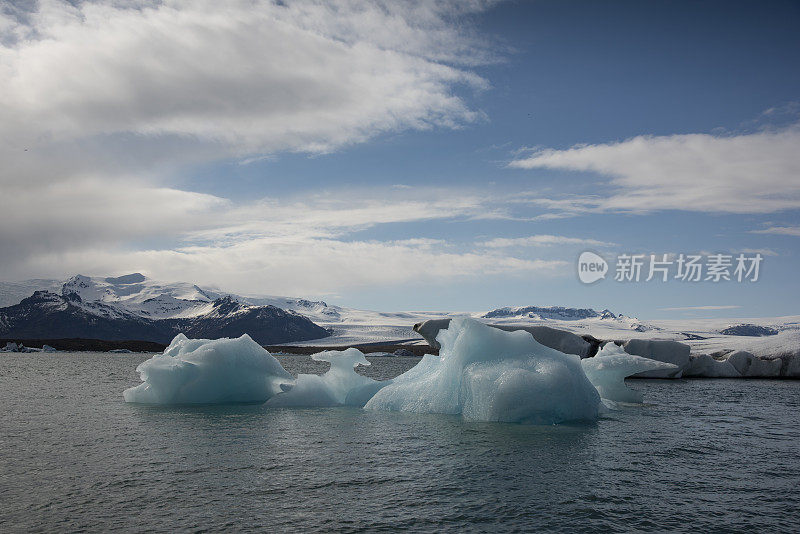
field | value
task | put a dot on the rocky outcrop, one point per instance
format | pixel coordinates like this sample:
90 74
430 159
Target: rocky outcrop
265 324
548 312
752 330
561 340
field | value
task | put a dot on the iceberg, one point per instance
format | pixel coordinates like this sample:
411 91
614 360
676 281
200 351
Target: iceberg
703 365
203 371
488 374
661 350
481 374
747 364
607 371
554 338
340 386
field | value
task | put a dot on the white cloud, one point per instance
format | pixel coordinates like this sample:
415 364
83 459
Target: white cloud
105 102
92 212
752 173
335 213
762 251
252 76
543 240
779 230
290 245
101 93
307 266
696 308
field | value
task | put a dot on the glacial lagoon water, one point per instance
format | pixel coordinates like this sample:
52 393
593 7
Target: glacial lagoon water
703 455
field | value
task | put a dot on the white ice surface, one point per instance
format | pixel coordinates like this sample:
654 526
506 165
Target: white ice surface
202 371
487 374
609 368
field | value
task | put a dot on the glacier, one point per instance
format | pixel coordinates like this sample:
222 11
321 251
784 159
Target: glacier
203 371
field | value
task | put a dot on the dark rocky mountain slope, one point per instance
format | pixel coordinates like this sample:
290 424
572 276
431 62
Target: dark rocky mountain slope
49 315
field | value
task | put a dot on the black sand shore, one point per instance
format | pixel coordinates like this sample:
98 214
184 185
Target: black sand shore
100 345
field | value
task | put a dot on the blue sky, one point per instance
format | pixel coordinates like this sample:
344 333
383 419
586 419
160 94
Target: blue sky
370 154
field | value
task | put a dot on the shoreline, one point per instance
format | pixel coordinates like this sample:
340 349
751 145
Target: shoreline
101 345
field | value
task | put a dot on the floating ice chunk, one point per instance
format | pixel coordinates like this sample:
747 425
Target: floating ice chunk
202 371
749 365
608 369
341 385
703 365
487 374
792 368
560 340
665 351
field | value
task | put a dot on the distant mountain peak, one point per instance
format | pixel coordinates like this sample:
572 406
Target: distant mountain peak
548 312
227 305
41 297
46 314
72 297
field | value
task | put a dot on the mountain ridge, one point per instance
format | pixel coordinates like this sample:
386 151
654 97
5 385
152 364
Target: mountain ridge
548 312
48 315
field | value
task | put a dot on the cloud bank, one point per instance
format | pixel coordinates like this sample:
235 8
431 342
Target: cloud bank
779 230
544 240
249 76
749 173
104 101
308 245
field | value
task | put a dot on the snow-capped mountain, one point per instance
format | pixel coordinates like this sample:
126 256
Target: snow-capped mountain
134 299
14 292
136 294
133 308
140 296
548 312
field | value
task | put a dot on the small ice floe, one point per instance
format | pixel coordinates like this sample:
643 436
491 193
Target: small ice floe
19 347
609 368
340 386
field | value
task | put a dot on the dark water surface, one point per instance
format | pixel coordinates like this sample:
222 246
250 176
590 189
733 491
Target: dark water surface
706 455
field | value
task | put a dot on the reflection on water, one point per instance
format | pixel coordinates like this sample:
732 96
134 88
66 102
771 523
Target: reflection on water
706 454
